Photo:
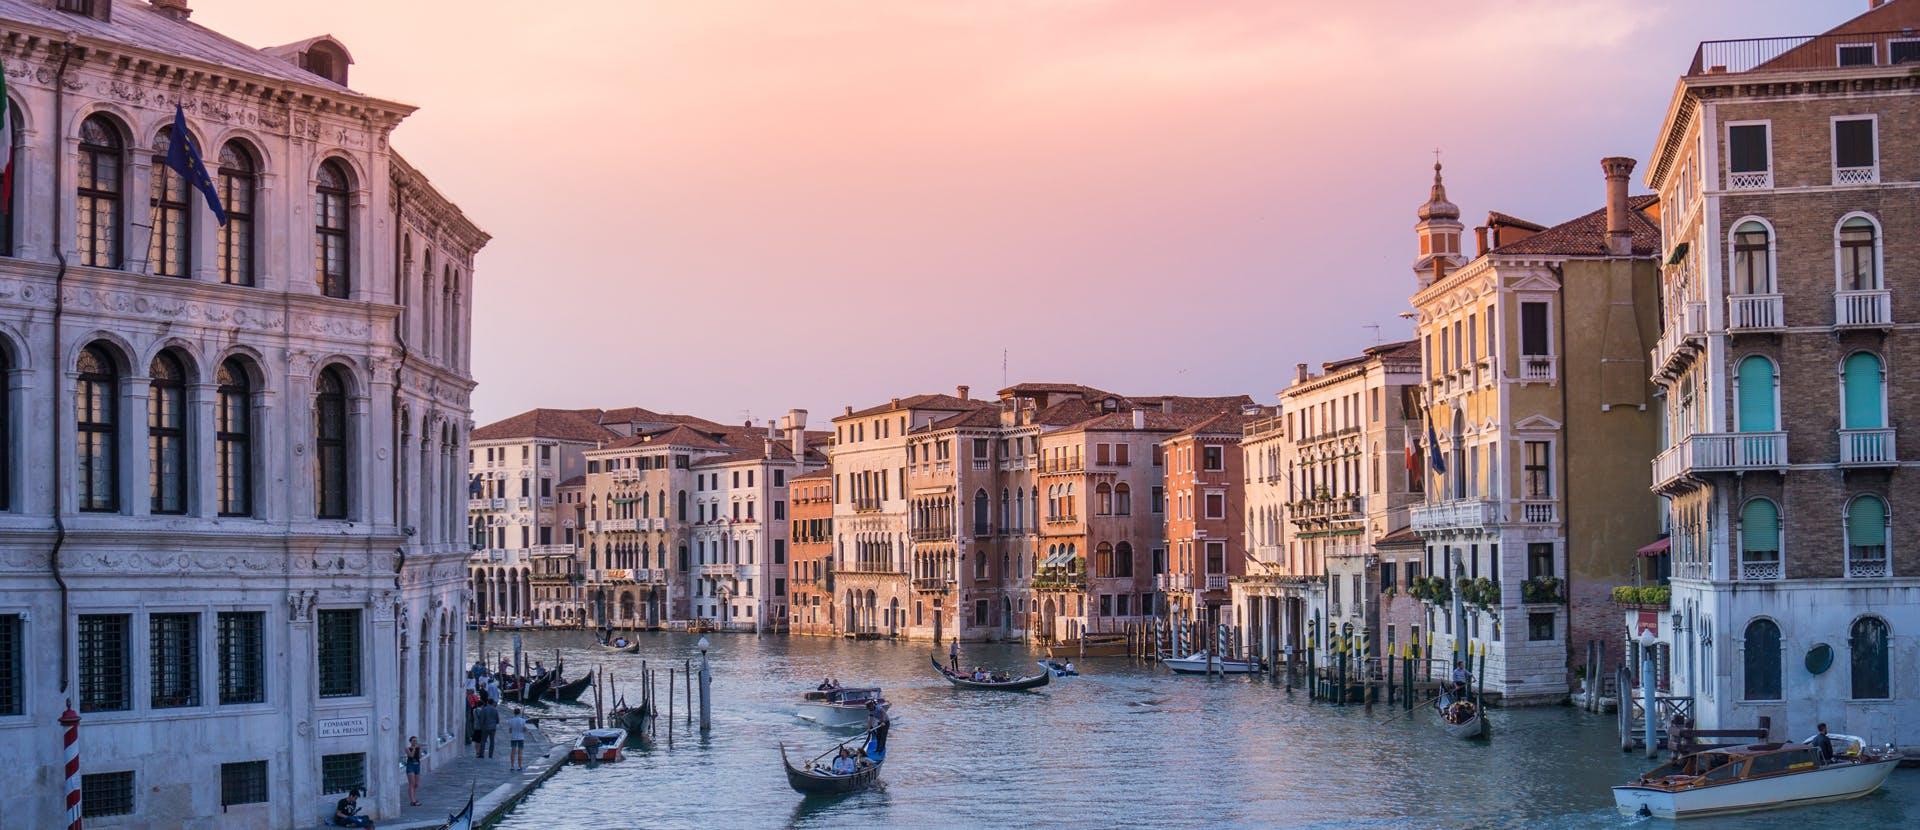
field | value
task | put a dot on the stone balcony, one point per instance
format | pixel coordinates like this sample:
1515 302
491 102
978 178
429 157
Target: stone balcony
1458 514
1680 338
1719 452
1863 309
1756 312
1867 448
1173 582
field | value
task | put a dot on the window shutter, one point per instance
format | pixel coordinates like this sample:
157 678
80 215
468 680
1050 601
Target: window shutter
1747 148
1756 395
1867 522
1853 143
1533 328
1760 527
1861 379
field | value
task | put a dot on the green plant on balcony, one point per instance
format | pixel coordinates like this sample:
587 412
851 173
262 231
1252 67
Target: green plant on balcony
1543 589
1643 596
1431 589
1419 588
1481 593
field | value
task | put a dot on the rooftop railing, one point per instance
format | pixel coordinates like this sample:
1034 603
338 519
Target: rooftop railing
1804 52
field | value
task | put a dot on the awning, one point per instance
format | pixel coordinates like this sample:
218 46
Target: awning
1679 253
1656 548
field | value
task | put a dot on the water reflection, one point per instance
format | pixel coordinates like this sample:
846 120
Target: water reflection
1123 745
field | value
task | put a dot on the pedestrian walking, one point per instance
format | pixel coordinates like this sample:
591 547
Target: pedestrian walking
493 688
415 754
486 720
479 669
516 741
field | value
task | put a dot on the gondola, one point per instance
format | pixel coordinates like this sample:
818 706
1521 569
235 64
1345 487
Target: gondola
607 645
570 691
808 780
534 690
636 721
1474 726
1014 685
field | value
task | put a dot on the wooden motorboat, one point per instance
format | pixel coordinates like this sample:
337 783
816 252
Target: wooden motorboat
1465 723
1058 668
837 708
1198 663
571 690
1090 645
1739 779
1010 685
598 746
811 779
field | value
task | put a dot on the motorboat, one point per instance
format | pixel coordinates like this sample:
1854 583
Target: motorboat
1745 778
1058 668
1199 663
1090 645
814 778
598 746
1011 684
837 708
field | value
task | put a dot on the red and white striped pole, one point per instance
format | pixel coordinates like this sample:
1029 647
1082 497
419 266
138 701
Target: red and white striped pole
71 720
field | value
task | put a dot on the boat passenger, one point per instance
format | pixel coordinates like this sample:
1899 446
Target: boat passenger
843 763
1071 669
1824 744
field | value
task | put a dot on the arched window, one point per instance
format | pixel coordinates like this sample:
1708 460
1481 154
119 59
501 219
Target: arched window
233 439
330 445
1868 643
1867 537
98 193
981 512
662 504
1763 660
1752 259
13 195
96 419
237 180
1757 405
167 435
171 242
680 506
1103 498
1760 540
1859 259
1864 403
1103 560
331 246
1122 499
1123 559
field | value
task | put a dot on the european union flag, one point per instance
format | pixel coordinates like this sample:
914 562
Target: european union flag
183 157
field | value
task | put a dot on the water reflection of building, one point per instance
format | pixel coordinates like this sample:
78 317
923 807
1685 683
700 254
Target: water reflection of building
1785 368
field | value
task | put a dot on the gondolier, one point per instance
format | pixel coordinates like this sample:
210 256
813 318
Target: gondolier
878 723
953 656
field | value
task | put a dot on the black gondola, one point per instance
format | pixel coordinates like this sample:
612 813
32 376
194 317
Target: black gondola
637 720
807 780
534 690
1014 685
571 690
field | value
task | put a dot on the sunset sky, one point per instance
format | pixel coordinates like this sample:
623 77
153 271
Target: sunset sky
726 207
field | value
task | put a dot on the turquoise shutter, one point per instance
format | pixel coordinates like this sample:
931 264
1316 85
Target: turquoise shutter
1756 395
1760 526
1867 522
1861 381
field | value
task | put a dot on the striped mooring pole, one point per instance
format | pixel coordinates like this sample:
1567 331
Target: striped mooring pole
71 721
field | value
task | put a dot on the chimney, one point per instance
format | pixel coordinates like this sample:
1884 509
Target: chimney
797 433
176 9
849 409
1139 419
1619 233
1480 236
896 403
1439 269
961 392
1299 373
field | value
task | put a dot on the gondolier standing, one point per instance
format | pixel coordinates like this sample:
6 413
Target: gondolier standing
953 656
878 723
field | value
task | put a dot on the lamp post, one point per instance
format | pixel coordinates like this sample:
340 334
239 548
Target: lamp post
1647 642
706 686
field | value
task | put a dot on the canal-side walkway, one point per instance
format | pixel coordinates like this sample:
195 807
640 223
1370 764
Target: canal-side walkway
444 790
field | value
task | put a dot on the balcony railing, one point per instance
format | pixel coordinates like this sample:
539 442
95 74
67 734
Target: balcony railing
1867 448
1856 175
866 505
1863 309
1539 512
1681 335
1536 367
1721 452
932 583
1755 312
1800 53
720 569
1867 568
1173 582
1760 571
1216 582
1449 515
618 525
477 504
1750 180
930 534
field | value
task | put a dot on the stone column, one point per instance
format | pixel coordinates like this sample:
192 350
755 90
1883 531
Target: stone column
203 462
136 498
380 449
386 783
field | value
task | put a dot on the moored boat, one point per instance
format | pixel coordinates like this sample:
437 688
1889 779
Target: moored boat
1739 779
837 708
810 778
571 690
1013 684
1198 663
598 746
1090 645
637 722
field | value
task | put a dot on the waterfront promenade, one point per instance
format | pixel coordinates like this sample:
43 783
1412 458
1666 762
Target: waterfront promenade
444 789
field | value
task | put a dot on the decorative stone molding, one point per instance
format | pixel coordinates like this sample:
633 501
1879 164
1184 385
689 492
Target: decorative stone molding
300 605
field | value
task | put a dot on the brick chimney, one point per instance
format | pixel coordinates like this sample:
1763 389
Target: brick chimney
176 9
960 392
1480 237
1299 373
1619 232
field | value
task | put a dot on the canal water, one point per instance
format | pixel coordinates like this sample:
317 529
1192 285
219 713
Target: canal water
1124 745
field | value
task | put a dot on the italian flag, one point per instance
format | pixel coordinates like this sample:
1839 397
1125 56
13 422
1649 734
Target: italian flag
6 147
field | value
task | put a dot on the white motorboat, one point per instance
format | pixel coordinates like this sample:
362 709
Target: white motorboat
598 745
1739 779
837 708
1198 663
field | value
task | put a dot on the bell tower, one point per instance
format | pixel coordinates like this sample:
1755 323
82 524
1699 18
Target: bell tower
1439 230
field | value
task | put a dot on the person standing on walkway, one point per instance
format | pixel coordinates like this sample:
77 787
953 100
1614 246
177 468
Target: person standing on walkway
493 688
516 741
479 669
486 720
415 754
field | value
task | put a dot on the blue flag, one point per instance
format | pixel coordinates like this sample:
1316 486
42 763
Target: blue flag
1433 451
183 157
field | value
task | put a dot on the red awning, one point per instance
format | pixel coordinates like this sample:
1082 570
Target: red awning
1657 548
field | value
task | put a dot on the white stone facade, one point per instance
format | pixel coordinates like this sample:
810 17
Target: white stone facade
187 627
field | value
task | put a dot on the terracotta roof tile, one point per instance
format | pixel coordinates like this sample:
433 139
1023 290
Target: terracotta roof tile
947 402
563 424
1587 235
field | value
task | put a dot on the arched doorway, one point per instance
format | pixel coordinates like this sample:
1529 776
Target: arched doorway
1047 620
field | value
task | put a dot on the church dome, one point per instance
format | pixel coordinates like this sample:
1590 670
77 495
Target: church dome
1437 206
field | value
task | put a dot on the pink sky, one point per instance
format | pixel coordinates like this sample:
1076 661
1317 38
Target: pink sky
733 206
